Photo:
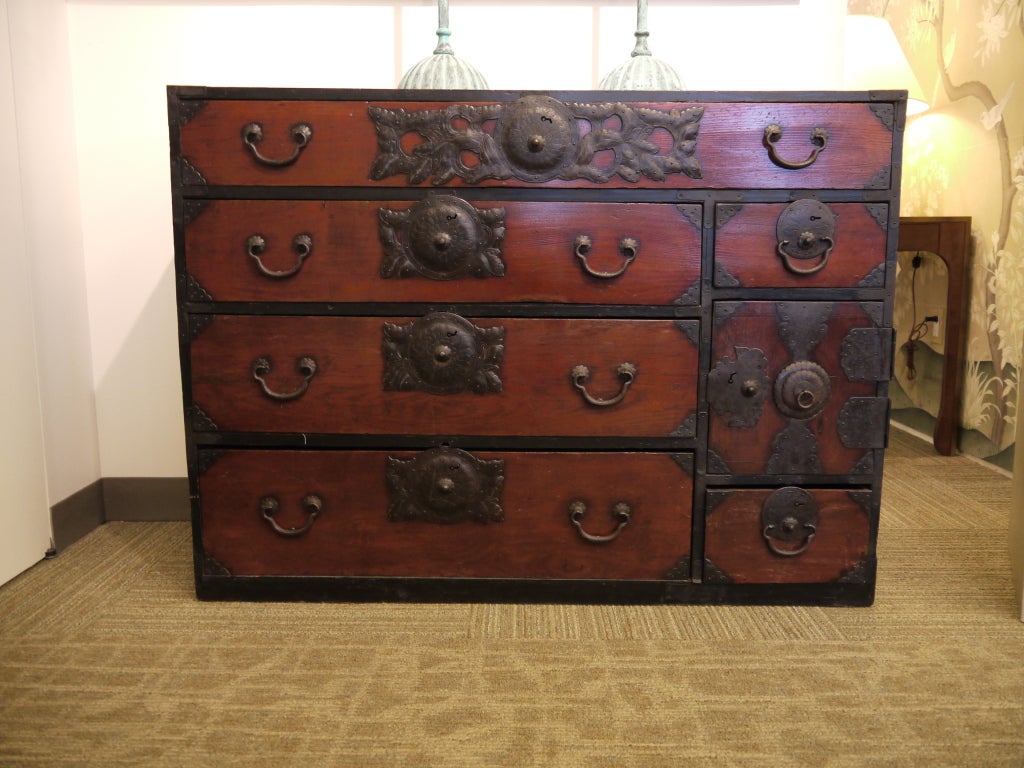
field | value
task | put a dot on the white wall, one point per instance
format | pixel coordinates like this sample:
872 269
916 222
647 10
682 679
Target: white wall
51 219
124 53
24 514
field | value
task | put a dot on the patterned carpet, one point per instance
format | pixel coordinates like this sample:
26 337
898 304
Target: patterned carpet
106 659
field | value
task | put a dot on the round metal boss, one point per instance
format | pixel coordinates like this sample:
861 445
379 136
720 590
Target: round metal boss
444 351
444 236
802 389
538 135
447 482
806 229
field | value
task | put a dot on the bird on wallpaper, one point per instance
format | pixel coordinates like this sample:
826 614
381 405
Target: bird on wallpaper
990 118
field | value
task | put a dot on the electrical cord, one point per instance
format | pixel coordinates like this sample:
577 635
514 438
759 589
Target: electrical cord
919 329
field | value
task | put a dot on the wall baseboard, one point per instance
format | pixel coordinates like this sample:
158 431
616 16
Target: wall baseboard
145 499
78 514
123 499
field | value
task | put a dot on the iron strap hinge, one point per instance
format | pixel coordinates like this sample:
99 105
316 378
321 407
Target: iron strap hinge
868 354
864 423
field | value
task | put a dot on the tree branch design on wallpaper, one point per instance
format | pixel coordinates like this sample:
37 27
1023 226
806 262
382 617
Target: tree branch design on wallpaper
966 158
1004 380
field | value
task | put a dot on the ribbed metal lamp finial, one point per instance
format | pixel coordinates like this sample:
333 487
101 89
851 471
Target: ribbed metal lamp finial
443 69
643 72
443 32
641 34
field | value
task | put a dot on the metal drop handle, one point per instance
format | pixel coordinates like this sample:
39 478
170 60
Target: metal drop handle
807 239
628 247
269 507
789 524
772 133
256 245
621 511
252 134
306 366
581 374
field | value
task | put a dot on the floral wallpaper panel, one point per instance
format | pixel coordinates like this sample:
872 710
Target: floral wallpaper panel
964 157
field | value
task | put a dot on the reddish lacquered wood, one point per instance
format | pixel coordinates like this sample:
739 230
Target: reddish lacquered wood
352 536
746 450
538 396
730 146
746 245
736 547
538 252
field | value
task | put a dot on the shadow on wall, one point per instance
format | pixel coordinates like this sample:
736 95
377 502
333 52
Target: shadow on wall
138 398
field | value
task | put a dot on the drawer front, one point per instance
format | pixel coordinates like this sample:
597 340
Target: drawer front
444 248
792 388
448 513
787 535
442 374
805 244
538 140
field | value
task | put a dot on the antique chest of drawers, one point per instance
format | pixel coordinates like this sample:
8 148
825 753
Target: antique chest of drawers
588 346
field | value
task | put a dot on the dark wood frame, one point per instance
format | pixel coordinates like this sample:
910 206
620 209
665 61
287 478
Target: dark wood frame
949 238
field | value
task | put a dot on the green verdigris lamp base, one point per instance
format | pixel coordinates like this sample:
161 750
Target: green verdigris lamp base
443 70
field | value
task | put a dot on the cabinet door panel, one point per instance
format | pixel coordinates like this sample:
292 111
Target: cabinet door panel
793 387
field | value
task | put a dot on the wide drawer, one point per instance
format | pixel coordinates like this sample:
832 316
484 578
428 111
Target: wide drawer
444 248
793 387
538 140
787 535
442 374
804 244
447 513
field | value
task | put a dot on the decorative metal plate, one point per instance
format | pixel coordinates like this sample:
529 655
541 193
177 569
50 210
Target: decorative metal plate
444 354
866 354
789 516
805 231
445 485
442 238
794 451
535 138
863 422
737 388
802 325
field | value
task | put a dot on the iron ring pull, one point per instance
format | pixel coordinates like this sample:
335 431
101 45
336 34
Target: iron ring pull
807 239
621 511
305 365
628 247
255 245
252 134
269 507
581 374
819 137
790 552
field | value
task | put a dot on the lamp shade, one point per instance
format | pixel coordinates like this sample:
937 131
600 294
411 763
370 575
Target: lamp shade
874 61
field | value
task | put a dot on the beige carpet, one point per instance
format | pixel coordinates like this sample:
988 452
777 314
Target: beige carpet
107 660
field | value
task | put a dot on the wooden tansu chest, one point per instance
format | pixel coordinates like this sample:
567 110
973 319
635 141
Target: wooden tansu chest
489 346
